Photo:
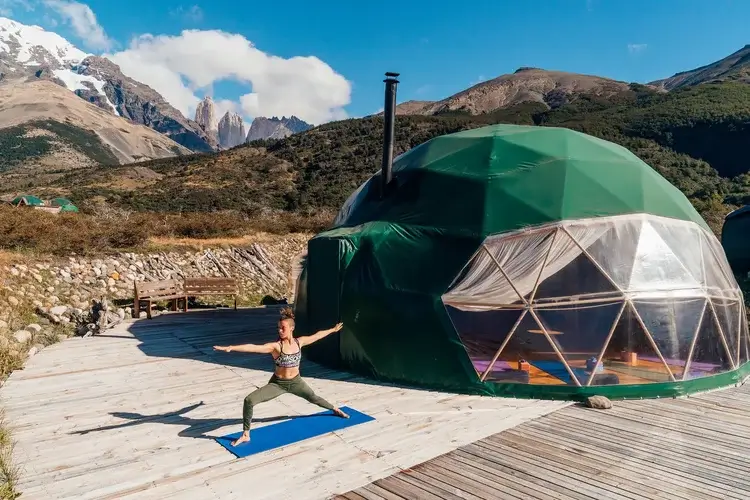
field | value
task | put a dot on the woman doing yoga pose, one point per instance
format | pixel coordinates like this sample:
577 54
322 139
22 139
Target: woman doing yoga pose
287 354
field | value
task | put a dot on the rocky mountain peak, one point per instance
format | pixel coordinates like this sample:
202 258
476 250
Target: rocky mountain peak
735 67
231 130
100 81
276 128
549 88
205 116
100 64
23 46
29 54
295 124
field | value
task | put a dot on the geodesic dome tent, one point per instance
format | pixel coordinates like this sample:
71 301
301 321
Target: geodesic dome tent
525 261
27 200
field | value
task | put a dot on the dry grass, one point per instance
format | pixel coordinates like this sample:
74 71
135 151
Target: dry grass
165 242
7 258
31 230
8 471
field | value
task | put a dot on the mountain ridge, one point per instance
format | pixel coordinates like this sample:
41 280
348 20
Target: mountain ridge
263 128
693 131
29 53
550 88
318 169
735 66
110 139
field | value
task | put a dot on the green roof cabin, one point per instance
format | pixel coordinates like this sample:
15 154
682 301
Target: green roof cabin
27 200
526 262
69 208
60 202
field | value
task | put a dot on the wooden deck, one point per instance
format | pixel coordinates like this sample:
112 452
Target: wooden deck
132 413
692 449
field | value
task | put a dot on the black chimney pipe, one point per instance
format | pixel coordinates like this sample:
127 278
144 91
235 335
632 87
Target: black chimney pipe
389 121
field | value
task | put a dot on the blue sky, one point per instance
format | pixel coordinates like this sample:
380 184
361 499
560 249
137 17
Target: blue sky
441 47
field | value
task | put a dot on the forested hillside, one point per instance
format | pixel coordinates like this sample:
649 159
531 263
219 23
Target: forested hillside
697 137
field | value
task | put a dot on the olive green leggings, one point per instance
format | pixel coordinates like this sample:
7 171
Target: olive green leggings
275 388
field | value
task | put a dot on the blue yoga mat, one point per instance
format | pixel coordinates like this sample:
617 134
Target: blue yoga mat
557 369
292 431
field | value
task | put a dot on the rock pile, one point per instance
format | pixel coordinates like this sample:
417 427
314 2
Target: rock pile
47 298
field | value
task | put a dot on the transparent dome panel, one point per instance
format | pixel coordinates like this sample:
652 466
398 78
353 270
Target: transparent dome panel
631 299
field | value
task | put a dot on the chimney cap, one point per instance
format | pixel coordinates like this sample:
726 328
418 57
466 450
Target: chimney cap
390 74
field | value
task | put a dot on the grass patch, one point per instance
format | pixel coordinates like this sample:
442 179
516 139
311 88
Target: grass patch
7 258
8 472
18 148
28 230
166 243
21 315
85 141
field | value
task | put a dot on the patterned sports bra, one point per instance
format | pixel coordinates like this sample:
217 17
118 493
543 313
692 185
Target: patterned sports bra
289 360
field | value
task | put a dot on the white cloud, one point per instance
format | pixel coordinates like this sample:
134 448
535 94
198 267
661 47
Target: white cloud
177 66
83 21
635 48
193 14
224 105
7 7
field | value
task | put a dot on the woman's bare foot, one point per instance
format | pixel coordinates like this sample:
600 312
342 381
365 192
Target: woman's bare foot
244 438
340 413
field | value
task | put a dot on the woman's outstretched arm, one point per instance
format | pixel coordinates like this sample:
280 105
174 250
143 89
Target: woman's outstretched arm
303 341
252 348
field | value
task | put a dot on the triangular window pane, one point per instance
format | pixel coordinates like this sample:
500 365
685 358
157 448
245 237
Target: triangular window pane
522 256
570 273
579 334
716 278
481 284
709 355
728 314
483 332
656 267
615 250
529 351
673 325
680 237
630 355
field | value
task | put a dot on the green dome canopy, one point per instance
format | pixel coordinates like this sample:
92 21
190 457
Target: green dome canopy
505 177
529 262
29 200
60 202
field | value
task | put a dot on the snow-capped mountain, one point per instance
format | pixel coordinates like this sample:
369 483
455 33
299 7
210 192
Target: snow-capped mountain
32 46
29 53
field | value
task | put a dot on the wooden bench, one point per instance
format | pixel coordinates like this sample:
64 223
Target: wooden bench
196 287
155 291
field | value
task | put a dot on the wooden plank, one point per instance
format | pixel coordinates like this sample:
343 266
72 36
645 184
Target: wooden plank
116 425
124 419
598 446
211 286
685 449
380 492
150 287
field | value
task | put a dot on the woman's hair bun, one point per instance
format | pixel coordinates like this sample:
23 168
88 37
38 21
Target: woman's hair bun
287 313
